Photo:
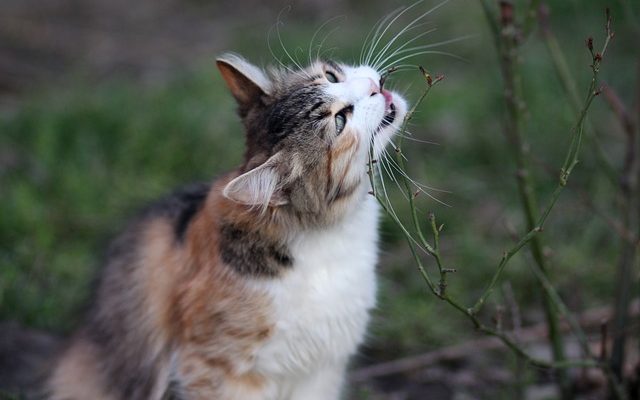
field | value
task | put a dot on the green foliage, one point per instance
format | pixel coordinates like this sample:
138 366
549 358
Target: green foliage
79 162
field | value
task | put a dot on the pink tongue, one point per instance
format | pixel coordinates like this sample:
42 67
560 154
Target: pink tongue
388 98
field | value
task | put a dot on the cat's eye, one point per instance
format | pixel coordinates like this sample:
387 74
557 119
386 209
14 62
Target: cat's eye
331 77
341 121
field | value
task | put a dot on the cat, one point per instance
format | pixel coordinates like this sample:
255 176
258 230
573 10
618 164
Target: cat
257 286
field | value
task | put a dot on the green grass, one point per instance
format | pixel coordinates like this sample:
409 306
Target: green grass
80 162
76 162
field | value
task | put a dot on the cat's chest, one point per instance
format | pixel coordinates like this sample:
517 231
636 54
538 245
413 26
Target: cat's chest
321 306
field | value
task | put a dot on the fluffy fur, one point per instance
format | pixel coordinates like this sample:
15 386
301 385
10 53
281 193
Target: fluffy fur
259 285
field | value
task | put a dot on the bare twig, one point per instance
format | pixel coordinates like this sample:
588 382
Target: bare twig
507 41
570 88
603 340
614 224
628 184
437 289
637 112
519 383
585 198
508 45
552 299
516 318
617 106
589 319
530 18
617 389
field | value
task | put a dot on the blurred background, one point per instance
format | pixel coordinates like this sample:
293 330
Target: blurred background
106 105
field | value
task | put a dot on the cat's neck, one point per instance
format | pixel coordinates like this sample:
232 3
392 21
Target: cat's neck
256 241
281 223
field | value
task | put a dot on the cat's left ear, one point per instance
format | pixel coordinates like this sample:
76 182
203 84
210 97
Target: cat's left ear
259 187
246 81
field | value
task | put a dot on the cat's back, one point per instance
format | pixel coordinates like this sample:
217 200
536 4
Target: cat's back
124 343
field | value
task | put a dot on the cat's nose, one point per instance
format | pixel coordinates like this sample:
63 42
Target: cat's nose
363 87
373 87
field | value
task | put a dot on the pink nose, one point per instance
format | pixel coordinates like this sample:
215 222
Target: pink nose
373 87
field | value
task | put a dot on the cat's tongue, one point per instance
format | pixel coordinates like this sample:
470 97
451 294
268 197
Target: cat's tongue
388 98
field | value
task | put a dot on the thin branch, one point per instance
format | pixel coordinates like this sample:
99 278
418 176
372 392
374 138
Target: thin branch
530 18
551 297
628 186
570 88
507 42
625 119
589 319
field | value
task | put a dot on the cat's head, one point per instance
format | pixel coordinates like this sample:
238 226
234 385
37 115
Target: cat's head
309 134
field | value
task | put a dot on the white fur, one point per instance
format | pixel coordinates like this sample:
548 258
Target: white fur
321 307
368 110
321 304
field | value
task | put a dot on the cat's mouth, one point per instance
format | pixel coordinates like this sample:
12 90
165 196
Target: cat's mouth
389 112
389 117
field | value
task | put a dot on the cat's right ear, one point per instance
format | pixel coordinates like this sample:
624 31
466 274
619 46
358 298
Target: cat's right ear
246 82
259 187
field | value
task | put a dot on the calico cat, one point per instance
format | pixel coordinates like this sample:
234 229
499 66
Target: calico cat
258 285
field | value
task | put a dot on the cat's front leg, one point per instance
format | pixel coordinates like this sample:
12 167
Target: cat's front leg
322 384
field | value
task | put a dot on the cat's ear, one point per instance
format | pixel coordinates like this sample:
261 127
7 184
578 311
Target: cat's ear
246 81
260 187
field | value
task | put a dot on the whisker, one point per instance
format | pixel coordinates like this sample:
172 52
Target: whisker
401 68
280 23
421 187
431 45
376 27
397 150
416 183
397 36
330 51
412 23
384 159
326 37
392 211
387 168
394 215
327 22
379 28
301 71
375 45
427 46
404 67
411 138
377 60
443 53
273 54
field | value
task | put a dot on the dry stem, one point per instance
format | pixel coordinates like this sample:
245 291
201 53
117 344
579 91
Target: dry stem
552 299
